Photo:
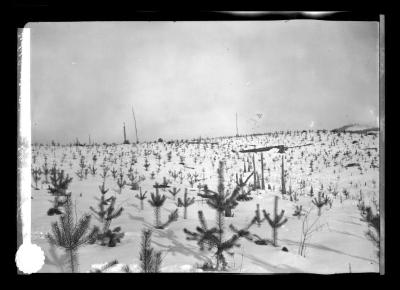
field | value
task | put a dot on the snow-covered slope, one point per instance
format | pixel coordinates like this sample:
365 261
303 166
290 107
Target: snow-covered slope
340 245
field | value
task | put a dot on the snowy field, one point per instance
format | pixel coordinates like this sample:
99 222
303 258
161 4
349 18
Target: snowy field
338 245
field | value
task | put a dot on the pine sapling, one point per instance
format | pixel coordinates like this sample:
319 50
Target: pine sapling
104 174
346 193
157 201
141 196
311 191
191 180
214 238
222 199
320 201
80 174
245 195
82 164
70 235
150 260
46 172
121 182
174 175
93 170
298 211
134 181
185 203
146 165
105 216
276 222
36 175
59 183
174 191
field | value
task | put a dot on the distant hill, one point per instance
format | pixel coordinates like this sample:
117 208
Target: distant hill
356 128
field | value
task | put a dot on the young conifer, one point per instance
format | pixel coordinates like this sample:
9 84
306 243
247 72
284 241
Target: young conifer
36 175
185 203
320 201
70 236
174 191
59 183
221 199
150 260
105 216
157 201
276 222
141 196
213 238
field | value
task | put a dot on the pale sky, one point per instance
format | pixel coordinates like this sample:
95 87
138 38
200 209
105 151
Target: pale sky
188 79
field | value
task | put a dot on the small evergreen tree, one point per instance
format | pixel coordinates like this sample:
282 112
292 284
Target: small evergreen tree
134 181
221 200
157 201
346 193
114 173
141 196
146 165
93 170
150 260
59 183
298 211
46 172
121 182
185 202
276 222
174 175
311 191
174 191
70 236
320 201
105 216
214 238
79 173
36 175
244 196
104 174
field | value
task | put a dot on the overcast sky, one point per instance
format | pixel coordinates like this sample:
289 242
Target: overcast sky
188 79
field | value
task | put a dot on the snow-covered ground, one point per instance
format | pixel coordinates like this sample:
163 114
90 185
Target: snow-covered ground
340 245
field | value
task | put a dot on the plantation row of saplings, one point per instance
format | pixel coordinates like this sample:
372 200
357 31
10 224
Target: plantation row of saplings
70 233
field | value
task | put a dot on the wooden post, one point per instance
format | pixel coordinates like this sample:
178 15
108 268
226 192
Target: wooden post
134 119
254 170
283 178
262 172
124 134
237 131
274 229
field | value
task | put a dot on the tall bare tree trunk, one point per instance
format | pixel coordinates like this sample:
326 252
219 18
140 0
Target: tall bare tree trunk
262 172
134 119
283 178
254 170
